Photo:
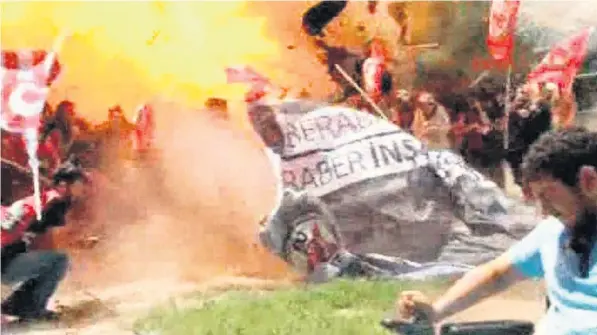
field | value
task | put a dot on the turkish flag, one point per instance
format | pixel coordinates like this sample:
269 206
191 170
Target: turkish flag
25 87
562 62
144 134
502 24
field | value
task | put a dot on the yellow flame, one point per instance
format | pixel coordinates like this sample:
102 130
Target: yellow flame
128 52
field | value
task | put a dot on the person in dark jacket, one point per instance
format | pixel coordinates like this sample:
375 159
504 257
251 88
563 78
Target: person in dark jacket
527 122
30 277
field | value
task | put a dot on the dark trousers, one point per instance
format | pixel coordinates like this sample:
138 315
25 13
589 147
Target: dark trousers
39 273
514 158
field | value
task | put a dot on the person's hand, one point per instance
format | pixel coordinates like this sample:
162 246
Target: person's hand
411 305
7 290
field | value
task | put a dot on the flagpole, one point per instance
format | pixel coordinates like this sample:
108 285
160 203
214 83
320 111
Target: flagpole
31 135
586 75
507 109
360 90
478 79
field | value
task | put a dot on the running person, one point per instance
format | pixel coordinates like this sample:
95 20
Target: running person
560 170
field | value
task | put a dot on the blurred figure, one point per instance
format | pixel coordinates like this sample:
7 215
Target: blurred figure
144 132
352 63
264 122
218 108
117 124
403 111
563 105
399 12
46 114
476 124
304 94
483 142
431 122
115 138
526 123
64 127
376 80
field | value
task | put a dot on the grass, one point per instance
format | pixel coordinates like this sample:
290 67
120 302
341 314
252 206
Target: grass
340 307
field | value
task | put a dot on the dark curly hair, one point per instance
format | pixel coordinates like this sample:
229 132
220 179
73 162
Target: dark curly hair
561 154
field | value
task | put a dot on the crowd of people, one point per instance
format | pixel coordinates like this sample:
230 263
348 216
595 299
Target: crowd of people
64 132
472 121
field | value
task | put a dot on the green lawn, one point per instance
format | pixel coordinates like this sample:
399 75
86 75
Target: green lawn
341 307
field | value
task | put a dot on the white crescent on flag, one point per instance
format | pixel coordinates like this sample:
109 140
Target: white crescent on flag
26 77
25 86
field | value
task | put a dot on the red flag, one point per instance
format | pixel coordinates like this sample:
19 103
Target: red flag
502 24
144 133
25 84
247 75
562 62
374 68
244 74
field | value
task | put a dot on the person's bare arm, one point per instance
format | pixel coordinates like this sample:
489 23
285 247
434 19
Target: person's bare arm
480 283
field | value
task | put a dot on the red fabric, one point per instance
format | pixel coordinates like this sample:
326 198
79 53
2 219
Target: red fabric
12 60
17 217
315 249
14 149
255 94
318 249
502 24
372 6
244 74
49 150
248 75
144 133
562 62
26 84
373 70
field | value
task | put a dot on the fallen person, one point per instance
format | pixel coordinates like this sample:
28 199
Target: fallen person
426 212
560 169
36 274
304 233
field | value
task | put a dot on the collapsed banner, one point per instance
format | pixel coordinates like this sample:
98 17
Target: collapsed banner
363 197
